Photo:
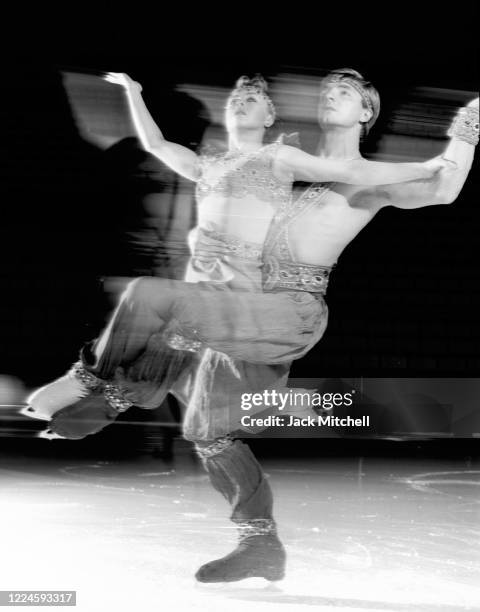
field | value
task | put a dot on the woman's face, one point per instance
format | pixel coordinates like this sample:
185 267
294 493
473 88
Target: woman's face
248 109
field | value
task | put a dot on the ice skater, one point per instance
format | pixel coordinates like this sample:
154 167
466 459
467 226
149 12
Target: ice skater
251 304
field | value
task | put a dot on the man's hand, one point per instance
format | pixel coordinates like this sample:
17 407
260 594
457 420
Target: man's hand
121 78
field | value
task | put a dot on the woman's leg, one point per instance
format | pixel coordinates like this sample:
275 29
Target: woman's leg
134 342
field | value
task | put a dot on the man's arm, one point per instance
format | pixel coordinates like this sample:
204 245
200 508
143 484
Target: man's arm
180 159
306 167
445 186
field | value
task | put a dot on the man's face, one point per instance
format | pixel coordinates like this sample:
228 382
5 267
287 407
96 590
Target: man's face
340 104
246 109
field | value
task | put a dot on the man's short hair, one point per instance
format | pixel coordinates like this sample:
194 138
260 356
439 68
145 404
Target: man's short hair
370 96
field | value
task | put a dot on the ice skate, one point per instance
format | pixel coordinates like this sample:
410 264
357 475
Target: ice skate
45 402
259 554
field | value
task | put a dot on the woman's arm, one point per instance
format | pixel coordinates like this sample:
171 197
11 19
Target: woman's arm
307 167
180 159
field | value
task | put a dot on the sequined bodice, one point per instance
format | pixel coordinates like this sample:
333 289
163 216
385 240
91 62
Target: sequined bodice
243 175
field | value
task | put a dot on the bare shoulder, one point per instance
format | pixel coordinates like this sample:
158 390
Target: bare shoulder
292 155
284 154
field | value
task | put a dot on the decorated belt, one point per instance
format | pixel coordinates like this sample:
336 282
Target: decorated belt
289 275
213 244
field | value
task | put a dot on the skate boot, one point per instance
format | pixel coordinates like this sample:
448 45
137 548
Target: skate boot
77 404
75 385
259 554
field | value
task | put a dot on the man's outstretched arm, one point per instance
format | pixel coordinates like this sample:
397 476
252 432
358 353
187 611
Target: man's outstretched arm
445 186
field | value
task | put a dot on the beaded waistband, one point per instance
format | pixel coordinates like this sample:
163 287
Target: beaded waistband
294 276
212 243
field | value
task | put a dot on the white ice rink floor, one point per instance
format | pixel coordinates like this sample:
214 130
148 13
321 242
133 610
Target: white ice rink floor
380 535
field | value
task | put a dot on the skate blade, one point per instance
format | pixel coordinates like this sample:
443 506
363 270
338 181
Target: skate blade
253 584
50 435
28 411
272 578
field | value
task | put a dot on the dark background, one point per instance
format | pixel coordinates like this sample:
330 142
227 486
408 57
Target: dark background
405 296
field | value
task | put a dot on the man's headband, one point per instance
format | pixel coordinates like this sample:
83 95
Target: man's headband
338 78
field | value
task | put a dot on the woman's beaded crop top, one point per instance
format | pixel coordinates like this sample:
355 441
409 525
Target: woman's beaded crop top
244 175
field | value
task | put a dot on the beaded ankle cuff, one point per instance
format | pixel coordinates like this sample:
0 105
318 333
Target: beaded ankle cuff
465 125
215 448
115 398
112 393
256 527
89 380
182 343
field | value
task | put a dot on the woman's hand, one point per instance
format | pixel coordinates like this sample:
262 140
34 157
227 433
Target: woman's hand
121 78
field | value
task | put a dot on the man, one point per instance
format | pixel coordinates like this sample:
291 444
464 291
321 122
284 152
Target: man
314 230
348 108
236 329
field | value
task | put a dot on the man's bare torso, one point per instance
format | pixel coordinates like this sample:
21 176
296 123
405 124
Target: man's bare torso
321 233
